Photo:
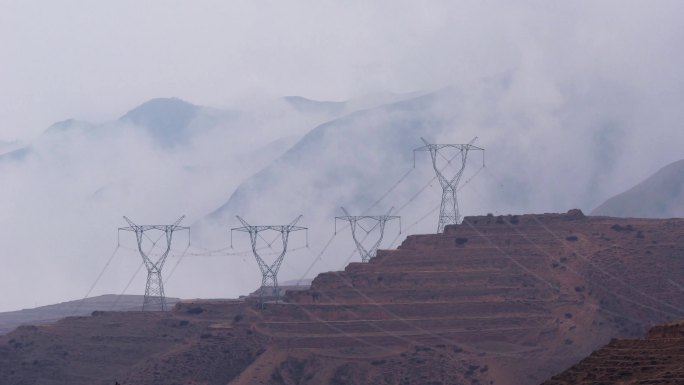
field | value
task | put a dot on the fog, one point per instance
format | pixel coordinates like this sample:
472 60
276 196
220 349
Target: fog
573 102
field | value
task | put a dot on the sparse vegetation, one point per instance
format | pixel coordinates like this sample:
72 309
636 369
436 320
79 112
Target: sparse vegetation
620 228
194 310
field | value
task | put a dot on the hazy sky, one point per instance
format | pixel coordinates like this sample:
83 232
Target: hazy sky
97 59
575 101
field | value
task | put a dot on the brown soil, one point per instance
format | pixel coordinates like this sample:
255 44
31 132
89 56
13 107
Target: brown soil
495 300
194 344
656 359
52 313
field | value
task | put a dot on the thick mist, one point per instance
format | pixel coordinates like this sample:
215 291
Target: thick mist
66 192
573 103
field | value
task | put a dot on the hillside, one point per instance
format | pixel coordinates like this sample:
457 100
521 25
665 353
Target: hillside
658 196
52 313
506 300
655 359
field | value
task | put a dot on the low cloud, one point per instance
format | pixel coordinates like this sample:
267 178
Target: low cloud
573 102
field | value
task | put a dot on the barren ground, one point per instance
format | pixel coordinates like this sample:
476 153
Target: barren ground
496 300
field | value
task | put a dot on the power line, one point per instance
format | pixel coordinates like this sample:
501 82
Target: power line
99 276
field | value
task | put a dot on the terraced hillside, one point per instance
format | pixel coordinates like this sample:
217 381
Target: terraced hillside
508 300
495 300
657 359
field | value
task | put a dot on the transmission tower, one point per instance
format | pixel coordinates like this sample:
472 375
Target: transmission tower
269 272
154 289
371 222
448 211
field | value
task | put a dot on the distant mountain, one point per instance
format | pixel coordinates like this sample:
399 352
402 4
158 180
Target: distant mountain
68 125
659 196
348 161
305 105
16 155
8 146
51 313
163 158
170 121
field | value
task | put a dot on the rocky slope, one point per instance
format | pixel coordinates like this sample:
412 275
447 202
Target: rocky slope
656 359
495 300
46 314
189 345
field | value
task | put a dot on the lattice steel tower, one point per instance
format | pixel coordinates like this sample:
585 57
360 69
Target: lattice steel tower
372 222
269 272
154 289
449 211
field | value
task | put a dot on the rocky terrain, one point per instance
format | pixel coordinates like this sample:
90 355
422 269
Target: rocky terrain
189 345
656 359
495 300
47 314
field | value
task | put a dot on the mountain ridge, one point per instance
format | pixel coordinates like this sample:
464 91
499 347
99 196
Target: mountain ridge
660 195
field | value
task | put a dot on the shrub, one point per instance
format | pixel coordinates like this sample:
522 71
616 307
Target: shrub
194 310
460 241
618 228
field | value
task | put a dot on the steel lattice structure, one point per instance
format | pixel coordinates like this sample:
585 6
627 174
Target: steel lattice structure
356 222
154 289
269 272
449 210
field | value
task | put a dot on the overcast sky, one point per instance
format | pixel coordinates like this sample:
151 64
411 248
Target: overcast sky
575 101
97 59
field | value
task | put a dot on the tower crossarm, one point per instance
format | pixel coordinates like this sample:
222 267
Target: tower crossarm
269 272
461 149
154 291
140 232
356 222
449 211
